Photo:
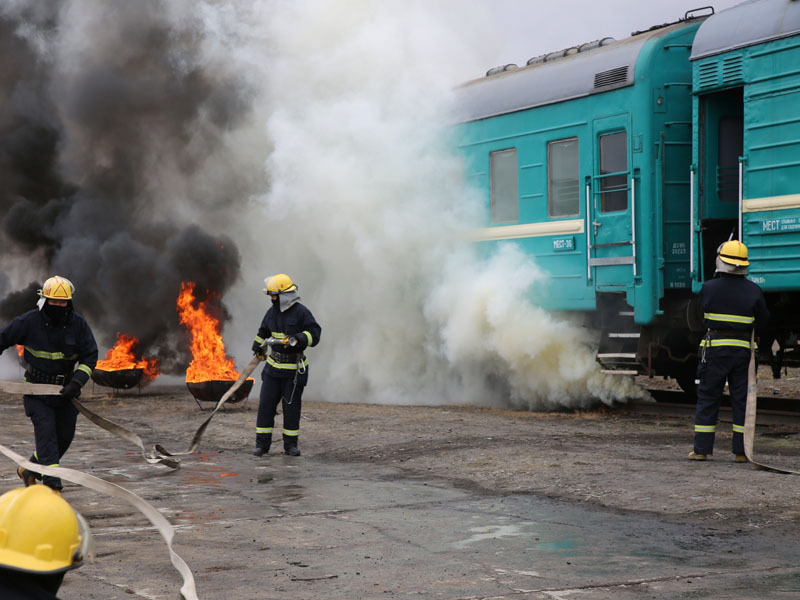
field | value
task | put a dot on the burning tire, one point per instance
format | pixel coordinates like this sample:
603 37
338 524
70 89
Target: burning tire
212 391
121 379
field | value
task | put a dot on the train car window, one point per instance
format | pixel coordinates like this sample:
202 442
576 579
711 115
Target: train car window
563 178
613 172
730 147
504 185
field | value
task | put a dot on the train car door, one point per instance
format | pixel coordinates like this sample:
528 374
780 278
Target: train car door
610 220
721 132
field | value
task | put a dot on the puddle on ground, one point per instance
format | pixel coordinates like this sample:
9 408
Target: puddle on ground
565 546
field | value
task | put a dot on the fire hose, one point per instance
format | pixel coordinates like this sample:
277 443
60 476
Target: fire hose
236 385
164 527
158 454
44 389
750 412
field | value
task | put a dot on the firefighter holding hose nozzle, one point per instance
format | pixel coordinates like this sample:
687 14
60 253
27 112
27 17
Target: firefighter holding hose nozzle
55 339
285 374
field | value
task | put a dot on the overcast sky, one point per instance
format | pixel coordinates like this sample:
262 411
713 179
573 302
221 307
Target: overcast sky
520 29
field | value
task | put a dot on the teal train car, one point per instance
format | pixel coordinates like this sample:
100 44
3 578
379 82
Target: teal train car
617 165
745 170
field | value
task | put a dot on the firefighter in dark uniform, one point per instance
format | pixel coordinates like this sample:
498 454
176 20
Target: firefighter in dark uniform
286 373
732 307
43 538
55 339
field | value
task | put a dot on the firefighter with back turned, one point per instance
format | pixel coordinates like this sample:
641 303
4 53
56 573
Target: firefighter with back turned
285 373
55 339
732 307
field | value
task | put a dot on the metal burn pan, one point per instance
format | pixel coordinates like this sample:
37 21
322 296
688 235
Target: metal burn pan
212 391
121 379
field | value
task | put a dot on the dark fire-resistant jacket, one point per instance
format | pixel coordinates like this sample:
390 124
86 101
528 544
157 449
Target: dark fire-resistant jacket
732 306
296 321
52 350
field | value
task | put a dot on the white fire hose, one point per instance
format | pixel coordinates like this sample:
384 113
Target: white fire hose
158 454
236 385
750 411
188 590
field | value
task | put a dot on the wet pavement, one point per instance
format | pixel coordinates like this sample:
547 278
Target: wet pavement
308 528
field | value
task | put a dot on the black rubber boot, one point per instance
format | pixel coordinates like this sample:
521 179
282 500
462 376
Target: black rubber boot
54 483
290 445
260 450
28 478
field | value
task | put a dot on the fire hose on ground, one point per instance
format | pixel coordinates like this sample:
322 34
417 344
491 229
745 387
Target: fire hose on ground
750 412
157 456
164 527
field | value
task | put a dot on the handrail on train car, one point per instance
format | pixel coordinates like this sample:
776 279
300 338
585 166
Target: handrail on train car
741 195
633 222
686 16
691 223
588 231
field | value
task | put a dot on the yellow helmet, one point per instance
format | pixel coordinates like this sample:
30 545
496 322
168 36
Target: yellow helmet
39 531
733 252
57 288
277 284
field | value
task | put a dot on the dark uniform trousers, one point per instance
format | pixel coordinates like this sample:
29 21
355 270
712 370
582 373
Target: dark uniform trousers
273 391
54 419
713 373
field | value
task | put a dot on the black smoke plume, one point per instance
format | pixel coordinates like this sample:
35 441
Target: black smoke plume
108 115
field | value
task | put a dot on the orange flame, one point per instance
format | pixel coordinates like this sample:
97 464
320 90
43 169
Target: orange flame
121 357
20 350
209 361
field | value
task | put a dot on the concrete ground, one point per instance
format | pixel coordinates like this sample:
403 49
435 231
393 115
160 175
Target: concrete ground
436 502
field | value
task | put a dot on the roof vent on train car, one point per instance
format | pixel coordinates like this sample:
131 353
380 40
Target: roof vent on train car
732 70
501 69
611 77
536 60
707 74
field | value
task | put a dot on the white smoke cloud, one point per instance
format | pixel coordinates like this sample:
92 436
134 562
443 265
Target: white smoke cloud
366 204
316 137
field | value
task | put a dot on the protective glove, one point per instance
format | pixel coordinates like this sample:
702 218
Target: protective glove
297 341
259 351
71 390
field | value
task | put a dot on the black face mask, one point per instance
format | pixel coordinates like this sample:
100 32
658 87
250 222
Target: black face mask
56 314
276 300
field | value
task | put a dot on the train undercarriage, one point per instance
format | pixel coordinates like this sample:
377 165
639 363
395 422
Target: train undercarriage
668 346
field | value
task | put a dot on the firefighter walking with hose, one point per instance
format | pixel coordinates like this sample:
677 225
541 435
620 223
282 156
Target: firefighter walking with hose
732 307
285 373
55 339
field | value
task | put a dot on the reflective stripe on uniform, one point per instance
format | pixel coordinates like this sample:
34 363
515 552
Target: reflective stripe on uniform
725 342
263 429
259 339
50 355
308 335
729 318
85 368
285 366
705 428
738 428
277 335
291 432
